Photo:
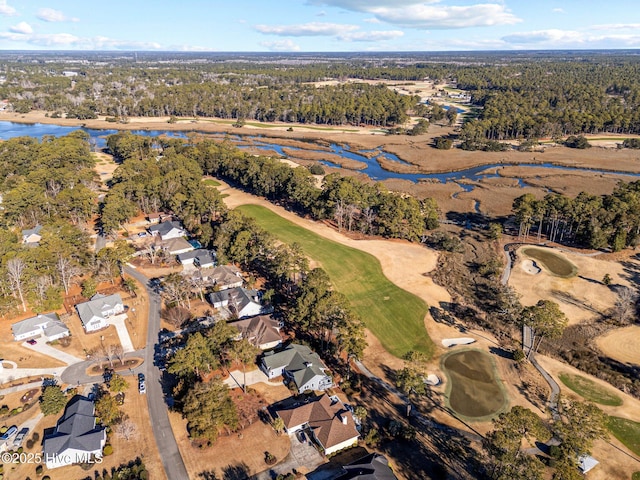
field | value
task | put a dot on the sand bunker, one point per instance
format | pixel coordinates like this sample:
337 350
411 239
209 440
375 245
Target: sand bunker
530 267
474 390
432 380
450 342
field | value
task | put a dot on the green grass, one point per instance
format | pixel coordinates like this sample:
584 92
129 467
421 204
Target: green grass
394 316
590 390
210 182
635 476
627 431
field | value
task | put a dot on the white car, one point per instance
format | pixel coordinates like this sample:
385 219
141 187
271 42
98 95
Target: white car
142 387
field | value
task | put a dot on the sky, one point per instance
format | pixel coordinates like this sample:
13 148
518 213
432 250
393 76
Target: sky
318 25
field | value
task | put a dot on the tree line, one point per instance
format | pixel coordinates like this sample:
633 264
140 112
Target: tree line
591 221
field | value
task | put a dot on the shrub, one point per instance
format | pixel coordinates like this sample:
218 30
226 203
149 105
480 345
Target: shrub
108 450
316 169
631 143
577 142
29 444
39 470
36 437
442 143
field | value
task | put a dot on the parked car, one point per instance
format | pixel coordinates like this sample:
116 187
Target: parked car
142 388
302 438
17 442
31 342
9 433
141 377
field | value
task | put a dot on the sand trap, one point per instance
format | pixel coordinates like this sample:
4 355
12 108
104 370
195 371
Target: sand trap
450 342
530 267
432 379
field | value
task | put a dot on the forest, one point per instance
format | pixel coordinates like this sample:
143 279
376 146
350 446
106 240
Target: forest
517 96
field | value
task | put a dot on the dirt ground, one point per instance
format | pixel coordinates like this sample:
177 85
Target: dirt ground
105 166
243 448
622 344
581 297
616 462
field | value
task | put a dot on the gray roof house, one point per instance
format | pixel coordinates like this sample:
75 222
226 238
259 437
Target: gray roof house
76 437
300 365
176 246
94 313
32 236
262 331
201 258
168 229
371 467
47 325
239 301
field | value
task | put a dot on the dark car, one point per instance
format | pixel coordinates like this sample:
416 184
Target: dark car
141 377
302 438
31 342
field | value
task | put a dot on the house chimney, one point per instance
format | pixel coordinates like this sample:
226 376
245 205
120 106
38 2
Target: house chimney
308 364
344 419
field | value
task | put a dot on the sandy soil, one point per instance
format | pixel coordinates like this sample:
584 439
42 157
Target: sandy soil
582 297
616 461
622 344
105 166
245 447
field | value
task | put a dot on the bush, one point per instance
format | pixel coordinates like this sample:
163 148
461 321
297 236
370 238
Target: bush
442 143
108 450
29 444
577 142
36 437
631 143
316 169
39 470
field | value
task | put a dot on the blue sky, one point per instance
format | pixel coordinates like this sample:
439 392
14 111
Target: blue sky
318 25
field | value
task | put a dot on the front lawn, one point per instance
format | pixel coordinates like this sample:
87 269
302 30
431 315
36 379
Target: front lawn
394 316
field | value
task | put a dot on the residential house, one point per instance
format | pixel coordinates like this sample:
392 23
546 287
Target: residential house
168 229
300 365
76 437
47 325
176 246
325 419
262 331
370 467
223 276
94 313
200 258
32 237
241 302
153 218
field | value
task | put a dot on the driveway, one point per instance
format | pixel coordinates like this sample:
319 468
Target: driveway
53 352
119 321
302 457
236 378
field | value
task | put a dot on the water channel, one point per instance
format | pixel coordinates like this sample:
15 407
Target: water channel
369 157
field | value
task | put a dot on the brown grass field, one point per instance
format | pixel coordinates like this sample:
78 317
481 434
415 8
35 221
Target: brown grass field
622 344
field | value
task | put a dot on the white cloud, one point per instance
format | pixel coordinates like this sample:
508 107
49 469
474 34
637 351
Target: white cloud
22 27
281 46
68 40
371 20
558 10
616 26
429 14
7 10
553 36
306 29
51 15
374 36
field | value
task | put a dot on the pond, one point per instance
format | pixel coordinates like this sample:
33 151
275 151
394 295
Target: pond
474 390
552 262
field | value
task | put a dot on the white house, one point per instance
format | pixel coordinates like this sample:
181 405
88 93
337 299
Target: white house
32 236
94 313
47 325
300 365
240 301
222 276
76 437
176 246
326 419
168 229
200 258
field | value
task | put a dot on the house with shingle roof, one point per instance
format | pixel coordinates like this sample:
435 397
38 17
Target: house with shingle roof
326 419
32 237
300 365
94 313
370 467
222 276
176 246
239 301
47 325
262 331
76 437
201 258
168 229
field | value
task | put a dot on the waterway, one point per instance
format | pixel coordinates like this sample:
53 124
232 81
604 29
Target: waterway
371 158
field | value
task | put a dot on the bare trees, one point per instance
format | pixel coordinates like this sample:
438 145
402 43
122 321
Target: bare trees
15 273
624 309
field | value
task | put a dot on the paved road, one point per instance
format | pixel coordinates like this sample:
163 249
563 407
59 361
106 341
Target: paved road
167 446
50 351
527 347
